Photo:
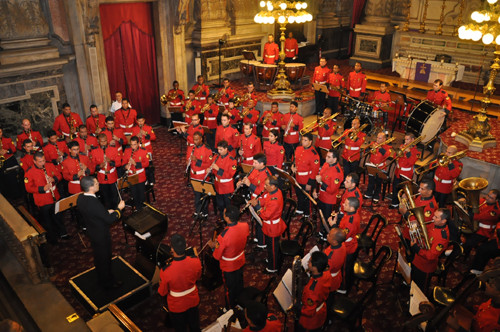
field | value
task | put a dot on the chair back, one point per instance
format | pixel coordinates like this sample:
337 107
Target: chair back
304 233
447 261
379 222
288 213
382 256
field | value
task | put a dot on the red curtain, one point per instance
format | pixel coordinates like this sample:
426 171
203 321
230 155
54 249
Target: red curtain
357 10
129 46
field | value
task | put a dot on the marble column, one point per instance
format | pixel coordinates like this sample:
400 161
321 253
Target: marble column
374 36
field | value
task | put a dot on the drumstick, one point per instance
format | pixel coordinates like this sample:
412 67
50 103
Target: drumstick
119 195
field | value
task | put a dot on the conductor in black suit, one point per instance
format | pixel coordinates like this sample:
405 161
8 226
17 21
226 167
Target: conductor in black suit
98 220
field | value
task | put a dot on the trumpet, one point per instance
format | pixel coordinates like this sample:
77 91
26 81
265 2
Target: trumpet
442 160
267 117
320 123
418 230
205 108
49 183
219 94
198 89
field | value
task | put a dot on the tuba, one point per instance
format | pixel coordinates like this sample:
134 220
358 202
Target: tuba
418 231
471 188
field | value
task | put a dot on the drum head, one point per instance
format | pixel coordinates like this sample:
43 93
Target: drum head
363 120
425 120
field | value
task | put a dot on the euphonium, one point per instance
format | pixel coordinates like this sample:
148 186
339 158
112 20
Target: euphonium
471 188
442 160
418 230
198 89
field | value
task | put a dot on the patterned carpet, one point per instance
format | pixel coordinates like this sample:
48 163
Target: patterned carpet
386 311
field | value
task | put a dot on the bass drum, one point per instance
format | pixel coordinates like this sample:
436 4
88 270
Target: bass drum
363 120
425 120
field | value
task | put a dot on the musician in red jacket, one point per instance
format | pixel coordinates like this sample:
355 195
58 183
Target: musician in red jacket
250 95
439 97
445 176
66 124
146 135
75 167
426 260
226 132
351 153
201 90
356 82
313 311
270 207
85 141
226 93
336 253
40 180
224 168
325 131
336 83
105 159
229 250
271 51
95 121
330 178
178 284
191 107
27 150
135 160
351 183
249 145
233 112
320 76
271 119
306 167
175 96
33 136
115 136
251 115
200 160
291 125
259 320
7 149
381 99
188 133
405 166
55 150
274 151
291 48
125 117
210 112
378 159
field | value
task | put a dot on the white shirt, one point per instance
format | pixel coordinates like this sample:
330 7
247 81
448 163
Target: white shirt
117 105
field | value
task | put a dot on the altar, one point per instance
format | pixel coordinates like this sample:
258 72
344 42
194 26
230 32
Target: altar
427 70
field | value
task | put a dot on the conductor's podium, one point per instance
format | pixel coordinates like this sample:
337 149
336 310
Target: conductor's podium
95 299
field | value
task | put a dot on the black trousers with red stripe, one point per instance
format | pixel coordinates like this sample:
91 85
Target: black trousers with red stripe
233 284
273 252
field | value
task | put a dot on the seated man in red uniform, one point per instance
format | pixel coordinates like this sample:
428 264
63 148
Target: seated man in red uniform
55 150
191 107
250 95
291 48
378 159
66 124
125 117
229 250
188 133
381 99
270 207
135 160
313 311
251 115
426 260
233 112
226 93
146 135
325 132
178 284
351 183
249 145
75 167
85 141
175 95
259 320
226 132
271 51
210 112
223 168
95 121
271 119
7 148
33 136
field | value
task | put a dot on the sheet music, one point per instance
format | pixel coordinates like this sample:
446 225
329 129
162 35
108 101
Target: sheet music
283 292
220 324
56 208
416 297
142 236
404 267
307 257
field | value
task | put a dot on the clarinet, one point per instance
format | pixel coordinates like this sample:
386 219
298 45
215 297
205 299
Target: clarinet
189 162
210 168
49 183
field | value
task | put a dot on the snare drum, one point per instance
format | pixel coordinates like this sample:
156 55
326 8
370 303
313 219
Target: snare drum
354 105
295 71
365 109
362 120
426 120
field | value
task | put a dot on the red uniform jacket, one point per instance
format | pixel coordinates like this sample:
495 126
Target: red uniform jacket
179 99
70 168
141 162
107 174
190 133
271 53
228 94
210 116
26 162
224 183
270 207
406 163
274 122
356 84
336 259
52 151
380 98
125 119
335 80
275 154
488 217
444 176
251 146
119 133
89 141
252 117
331 179
379 158
307 163
9 146
321 75
351 193
36 138
234 115
93 123
62 124
145 140
440 98
191 107
325 133
230 246
296 125
249 96
202 95
291 47
272 325
201 160
427 260
487 318
351 148
257 180
230 135
313 312
34 181
351 221
178 282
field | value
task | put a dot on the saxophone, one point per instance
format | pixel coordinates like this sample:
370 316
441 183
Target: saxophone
198 89
219 94
49 183
205 108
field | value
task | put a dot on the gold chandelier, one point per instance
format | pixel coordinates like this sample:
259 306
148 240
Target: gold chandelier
282 12
484 27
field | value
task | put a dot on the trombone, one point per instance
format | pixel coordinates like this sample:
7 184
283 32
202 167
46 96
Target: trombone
353 135
442 160
373 149
318 123
401 151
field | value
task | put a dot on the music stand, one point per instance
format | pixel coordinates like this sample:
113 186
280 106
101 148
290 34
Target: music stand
246 168
206 189
323 152
249 56
174 109
284 175
320 87
178 124
66 204
127 181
